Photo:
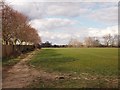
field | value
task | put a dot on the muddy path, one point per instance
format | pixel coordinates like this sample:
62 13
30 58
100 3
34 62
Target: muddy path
21 75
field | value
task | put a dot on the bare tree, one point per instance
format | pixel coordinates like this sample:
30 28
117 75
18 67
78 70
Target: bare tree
74 43
114 40
92 42
88 41
7 23
117 40
107 39
96 43
15 27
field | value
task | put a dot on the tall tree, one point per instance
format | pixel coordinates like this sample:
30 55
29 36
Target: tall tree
88 41
114 40
15 27
74 43
107 39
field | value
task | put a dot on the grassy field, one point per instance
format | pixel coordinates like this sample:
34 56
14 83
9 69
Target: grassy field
11 61
98 62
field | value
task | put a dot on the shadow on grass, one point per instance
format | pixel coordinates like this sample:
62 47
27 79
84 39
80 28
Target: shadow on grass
50 57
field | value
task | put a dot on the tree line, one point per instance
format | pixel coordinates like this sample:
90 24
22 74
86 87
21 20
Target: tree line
16 28
107 40
49 44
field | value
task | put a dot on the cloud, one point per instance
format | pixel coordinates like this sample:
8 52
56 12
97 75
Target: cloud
54 37
66 9
51 23
106 15
101 32
65 0
33 10
37 10
104 12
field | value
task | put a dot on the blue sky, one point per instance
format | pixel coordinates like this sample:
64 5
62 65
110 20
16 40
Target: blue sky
58 22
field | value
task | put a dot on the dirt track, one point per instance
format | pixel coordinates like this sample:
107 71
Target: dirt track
21 75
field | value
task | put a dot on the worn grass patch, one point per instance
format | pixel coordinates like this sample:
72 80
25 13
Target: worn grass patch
12 60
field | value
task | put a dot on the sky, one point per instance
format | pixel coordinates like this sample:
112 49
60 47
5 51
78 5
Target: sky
58 22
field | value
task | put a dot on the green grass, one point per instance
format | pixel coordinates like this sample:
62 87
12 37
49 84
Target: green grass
99 63
102 61
11 61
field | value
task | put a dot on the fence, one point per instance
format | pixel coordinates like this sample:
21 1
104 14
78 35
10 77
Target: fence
12 50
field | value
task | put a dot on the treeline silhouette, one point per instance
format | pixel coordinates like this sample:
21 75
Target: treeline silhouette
48 44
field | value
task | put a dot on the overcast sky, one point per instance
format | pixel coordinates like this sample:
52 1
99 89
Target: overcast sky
58 22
